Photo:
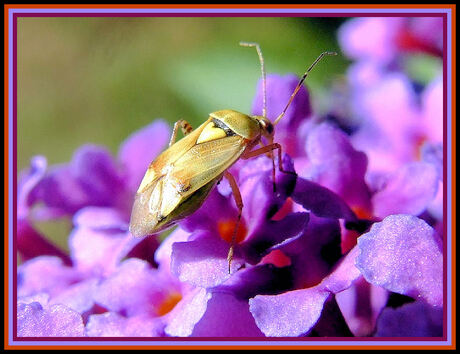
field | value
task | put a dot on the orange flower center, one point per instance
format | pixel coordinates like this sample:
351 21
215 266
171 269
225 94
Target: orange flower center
226 229
363 213
168 303
277 258
284 210
418 144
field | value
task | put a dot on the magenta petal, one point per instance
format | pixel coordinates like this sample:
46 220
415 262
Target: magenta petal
409 190
79 296
255 180
432 100
91 178
140 148
315 252
100 218
370 38
164 251
269 234
54 321
61 191
226 316
344 274
27 182
402 254
98 174
290 314
41 298
336 165
135 289
260 279
183 318
416 319
204 218
321 201
45 274
111 324
202 261
279 90
106 251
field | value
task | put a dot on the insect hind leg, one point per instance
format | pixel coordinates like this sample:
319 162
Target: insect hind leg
239 203
184 126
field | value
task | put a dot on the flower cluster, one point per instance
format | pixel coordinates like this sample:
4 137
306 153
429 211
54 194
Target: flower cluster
352 246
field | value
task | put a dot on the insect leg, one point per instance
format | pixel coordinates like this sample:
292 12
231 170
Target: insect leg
266 149
185 127
239 203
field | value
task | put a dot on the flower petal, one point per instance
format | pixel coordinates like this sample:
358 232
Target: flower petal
403 254
164 252
106 251
416 319
321 201
289 314
135 289
279 90
432 100
370 38
45 274
111 324
140 148
55 321
79 296
91 178
202 261
101 218
268 235
409 190
315 252
336 165
27 182
226 316
183 318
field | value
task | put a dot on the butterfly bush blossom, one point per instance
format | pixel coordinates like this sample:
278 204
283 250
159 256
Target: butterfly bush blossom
349 245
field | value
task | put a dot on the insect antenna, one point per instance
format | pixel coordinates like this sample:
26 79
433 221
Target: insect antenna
264 76
299 85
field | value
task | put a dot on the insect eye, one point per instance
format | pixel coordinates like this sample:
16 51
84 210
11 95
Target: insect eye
269 128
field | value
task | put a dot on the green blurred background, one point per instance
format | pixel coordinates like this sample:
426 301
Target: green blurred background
97 80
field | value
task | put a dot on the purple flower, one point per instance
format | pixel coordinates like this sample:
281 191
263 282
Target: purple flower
386 146
93 190
94 178
415 319
383 39
321 254
202 259
279 90
36 318
403 254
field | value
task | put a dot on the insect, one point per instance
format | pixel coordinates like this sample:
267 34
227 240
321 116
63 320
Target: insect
178 181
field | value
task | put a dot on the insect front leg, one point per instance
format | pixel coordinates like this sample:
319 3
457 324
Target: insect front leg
239 203
266 149
185 127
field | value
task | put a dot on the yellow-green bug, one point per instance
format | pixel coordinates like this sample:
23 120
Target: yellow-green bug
178 181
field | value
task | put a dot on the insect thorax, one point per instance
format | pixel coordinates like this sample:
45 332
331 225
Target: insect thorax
239 123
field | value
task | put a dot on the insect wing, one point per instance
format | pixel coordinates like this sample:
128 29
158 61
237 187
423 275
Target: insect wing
206 161
168 182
